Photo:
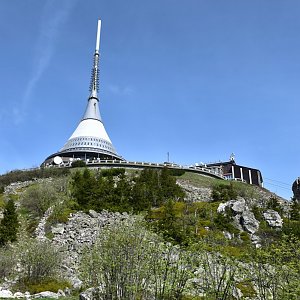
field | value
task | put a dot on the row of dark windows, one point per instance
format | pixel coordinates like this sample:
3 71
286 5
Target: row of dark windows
91 139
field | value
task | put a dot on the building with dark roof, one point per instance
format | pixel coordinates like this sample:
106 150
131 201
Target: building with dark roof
231 171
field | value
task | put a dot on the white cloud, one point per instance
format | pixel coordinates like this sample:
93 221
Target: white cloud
45 46
118 90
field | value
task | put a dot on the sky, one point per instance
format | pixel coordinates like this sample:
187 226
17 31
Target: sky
200 79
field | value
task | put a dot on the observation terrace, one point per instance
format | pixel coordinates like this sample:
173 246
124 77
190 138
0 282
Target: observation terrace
97 163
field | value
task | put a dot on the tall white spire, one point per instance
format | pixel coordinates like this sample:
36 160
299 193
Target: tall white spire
90 139
98 36
92 109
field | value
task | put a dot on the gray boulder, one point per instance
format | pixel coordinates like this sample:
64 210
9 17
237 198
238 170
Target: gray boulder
89 294
46 294
248 221
18 295
6 294
237 206
273 218
58 229
93 213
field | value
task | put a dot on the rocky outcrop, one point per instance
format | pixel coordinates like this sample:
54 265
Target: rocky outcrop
193 193
273 218
237 206
296 189
243 217
7 294
78 233
248 221
17 187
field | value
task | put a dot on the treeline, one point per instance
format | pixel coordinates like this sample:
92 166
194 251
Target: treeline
25 175
115 191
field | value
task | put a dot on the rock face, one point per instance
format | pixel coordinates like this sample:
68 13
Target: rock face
243 217
273 218
248 221
237 206
15 187
296 188
194 194
80 232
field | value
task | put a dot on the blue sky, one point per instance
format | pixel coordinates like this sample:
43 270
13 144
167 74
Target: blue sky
198 79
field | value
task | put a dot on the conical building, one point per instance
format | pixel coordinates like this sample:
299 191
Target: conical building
89 140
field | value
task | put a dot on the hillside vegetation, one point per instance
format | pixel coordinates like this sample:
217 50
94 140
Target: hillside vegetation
165 244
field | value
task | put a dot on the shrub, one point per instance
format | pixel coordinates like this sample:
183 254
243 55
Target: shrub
51 285
245 237
176 172
257 211
7 263
130 261
246 288
39 261
112 172
224 192
274 204
38 198
78 164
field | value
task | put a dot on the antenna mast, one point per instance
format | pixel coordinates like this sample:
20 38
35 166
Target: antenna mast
94 85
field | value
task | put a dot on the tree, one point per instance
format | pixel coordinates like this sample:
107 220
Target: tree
295 209
9 224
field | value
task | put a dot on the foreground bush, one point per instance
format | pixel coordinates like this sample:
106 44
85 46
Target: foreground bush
7 263
39 262
133 263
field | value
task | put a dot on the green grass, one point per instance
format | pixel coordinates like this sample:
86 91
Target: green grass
51 285
2 203
243 189
199 180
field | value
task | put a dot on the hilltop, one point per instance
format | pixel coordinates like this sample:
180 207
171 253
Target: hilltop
215 239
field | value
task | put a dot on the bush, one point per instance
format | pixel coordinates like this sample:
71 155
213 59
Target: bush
38 198
176 172
274 204
224 192
245 237
258 213
39 262
51 285
130 261
7 263
112 172
78 164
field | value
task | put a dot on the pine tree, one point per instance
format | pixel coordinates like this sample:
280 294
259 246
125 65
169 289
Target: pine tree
9 224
